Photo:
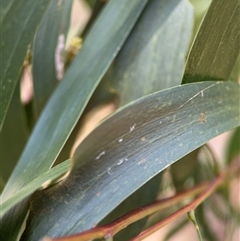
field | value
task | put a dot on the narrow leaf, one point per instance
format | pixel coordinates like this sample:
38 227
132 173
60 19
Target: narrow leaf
48 51
13 136
129 148
216 46
153 57
233 146
46 177
74 91
18 22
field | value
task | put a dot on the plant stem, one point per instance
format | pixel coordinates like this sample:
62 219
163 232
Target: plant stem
114 227
206 193
192 217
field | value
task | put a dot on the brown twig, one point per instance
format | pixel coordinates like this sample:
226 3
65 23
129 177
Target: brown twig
209 190
111 229
139 213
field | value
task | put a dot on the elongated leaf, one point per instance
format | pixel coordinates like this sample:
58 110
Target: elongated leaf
13 136
216 47
153 57
11 231
48 51
10 228
48 176
18 22
143 196
73 93
235 75
128 149
233 145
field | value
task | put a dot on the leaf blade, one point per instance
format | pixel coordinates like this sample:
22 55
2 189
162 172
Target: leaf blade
153 57
17 31
51 33
54 133
179 120
49 175
216 48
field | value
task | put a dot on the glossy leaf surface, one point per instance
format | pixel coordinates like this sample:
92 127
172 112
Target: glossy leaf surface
128 149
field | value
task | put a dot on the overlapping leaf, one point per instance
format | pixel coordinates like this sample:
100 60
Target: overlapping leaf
48 176
48 51
73 93
151 60
18 204
17 31
128 149
13 136
233 149
153 57
216 46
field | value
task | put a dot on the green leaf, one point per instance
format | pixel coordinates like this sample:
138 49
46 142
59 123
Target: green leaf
184 169
13 136
130 148
141 197
233 145
48 48
11 228
216 46
48 176
235 74
153 57
74 91
207 232
18 22
11 231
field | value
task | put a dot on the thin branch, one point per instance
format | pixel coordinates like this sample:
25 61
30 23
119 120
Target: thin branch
137 214
114 227
219 180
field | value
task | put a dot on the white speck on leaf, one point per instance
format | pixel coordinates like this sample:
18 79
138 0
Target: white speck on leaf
120 162
200 92
99 156
132 127
120 140
109 171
